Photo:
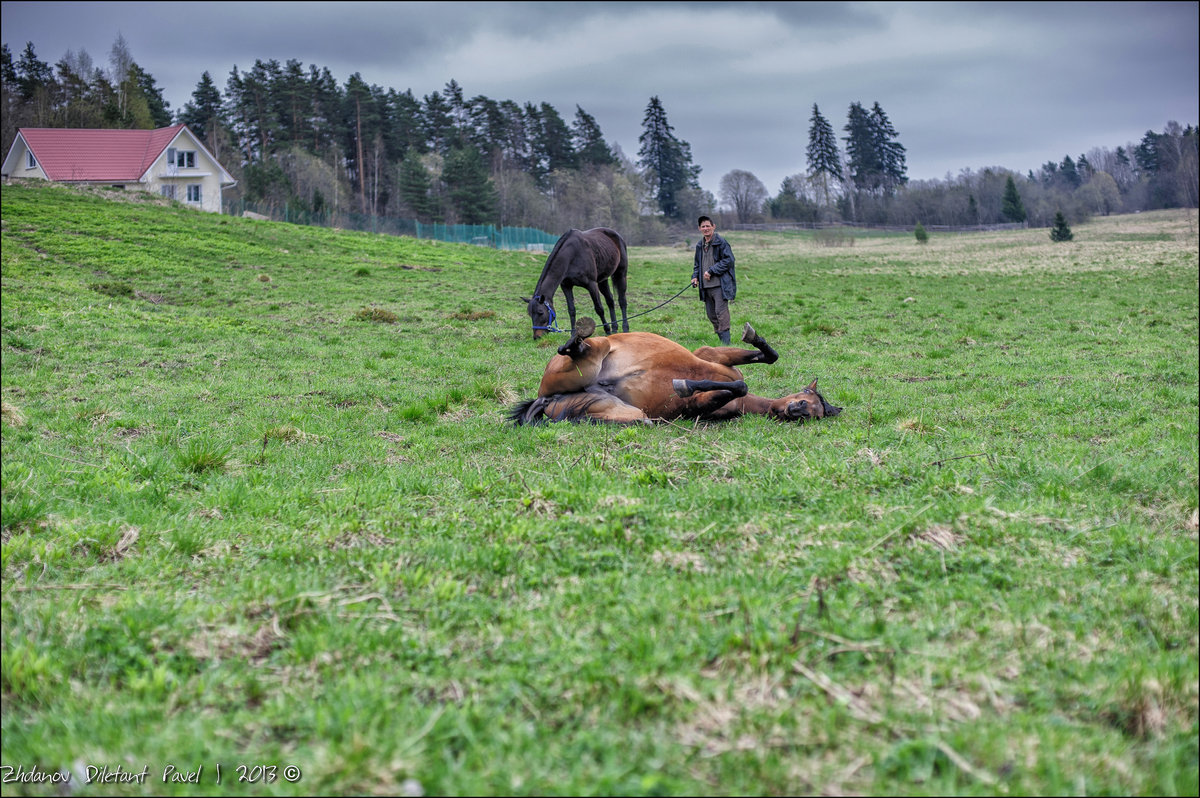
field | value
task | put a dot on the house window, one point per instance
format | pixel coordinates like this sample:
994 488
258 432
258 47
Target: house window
30 161
184 159
169 191
193 192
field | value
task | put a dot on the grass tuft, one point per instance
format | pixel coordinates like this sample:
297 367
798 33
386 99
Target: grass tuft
11 414
375 314
200 455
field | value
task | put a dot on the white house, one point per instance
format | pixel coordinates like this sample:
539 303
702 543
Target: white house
170 161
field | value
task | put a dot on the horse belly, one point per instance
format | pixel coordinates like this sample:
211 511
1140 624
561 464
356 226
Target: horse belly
640 368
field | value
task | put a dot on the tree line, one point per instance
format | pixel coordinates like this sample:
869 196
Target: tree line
866 181
300 142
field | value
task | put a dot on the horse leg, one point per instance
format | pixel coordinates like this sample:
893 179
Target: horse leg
594 292
714 400
569 295
686 388
612 308
619 282
732 356
767 354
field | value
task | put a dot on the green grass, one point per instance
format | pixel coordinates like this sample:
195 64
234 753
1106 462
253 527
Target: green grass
282 521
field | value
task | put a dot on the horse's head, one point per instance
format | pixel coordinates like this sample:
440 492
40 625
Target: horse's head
808 404
542 314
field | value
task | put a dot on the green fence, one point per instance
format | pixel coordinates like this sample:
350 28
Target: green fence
483 235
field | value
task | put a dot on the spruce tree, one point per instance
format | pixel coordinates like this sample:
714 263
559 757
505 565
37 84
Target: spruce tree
414 187
1068 173
889 152
667 160
205 113
1011 207
1060 231
470 189
551 139
824 160
861 156
588 141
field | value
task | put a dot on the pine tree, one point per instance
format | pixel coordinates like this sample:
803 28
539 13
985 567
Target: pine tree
1060 231
415 186
552 142
875 158
1011 206
32 73
292 102
205 112
667 161
824 160
406 122
325 112
589 141
921 234
469 187
160 115
890 153
1146 153
438 123
862 160
1068 172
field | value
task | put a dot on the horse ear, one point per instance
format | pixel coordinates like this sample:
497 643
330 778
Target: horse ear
812 386
524 299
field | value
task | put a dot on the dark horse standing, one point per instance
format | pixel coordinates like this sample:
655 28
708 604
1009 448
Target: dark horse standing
585 258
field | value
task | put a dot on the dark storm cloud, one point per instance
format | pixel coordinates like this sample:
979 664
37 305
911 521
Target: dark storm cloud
967 85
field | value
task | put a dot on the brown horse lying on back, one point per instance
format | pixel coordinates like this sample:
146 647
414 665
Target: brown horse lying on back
641 377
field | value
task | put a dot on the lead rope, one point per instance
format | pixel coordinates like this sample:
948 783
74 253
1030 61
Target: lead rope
550 324
656 307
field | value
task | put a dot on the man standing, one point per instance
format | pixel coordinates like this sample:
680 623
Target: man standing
713 273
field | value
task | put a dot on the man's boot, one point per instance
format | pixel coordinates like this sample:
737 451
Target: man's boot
724 336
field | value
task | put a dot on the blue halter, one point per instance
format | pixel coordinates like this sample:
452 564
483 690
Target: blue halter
549 327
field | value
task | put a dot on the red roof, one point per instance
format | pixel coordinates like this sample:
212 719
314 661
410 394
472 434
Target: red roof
68 155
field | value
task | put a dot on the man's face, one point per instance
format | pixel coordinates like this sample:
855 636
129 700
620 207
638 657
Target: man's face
706 229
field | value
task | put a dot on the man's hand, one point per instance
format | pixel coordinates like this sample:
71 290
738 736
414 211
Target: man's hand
695 282
707 276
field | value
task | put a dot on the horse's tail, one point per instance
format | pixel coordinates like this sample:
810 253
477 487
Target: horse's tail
557 407
528 412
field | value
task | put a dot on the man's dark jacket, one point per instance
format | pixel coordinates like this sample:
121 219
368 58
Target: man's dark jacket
722 267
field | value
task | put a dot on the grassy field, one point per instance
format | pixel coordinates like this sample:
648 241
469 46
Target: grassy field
263 517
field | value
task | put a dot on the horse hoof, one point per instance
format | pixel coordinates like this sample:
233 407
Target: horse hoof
748 334
584 328
681 388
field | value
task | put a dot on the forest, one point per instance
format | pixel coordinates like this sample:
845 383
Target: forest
306 147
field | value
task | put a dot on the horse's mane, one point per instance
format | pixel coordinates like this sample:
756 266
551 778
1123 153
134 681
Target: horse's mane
537 289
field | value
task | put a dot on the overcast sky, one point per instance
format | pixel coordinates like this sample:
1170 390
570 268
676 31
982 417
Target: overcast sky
966 85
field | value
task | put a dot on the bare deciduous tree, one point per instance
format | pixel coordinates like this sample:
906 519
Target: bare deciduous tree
121 61
743 193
